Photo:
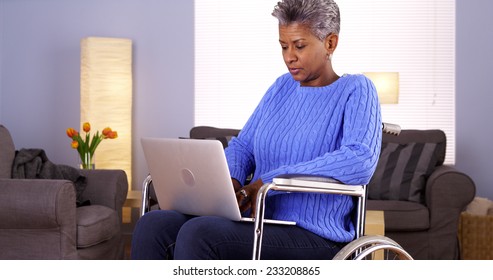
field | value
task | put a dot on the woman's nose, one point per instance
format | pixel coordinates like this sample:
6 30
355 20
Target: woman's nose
289 56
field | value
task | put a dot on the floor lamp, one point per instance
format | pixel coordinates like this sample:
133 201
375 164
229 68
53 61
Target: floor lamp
387 85
106 98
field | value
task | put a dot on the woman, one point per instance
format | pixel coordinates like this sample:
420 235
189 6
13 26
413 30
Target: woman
310 121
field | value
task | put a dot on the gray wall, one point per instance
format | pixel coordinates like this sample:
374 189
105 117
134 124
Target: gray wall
474 109
39 73
40 68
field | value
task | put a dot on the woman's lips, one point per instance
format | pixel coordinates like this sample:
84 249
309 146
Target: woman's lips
294 71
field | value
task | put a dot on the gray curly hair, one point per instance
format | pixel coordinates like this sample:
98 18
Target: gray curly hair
322 16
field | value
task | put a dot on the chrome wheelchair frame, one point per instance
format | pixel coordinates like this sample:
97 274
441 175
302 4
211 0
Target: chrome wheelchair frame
362 247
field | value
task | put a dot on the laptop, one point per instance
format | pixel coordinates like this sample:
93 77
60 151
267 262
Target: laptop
192 176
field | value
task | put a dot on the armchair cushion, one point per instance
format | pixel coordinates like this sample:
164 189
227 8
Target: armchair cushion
403 169
96 224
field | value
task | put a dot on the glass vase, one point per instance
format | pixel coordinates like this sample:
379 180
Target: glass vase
87 161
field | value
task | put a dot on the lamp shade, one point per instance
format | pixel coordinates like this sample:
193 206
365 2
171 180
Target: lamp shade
387 85
106 98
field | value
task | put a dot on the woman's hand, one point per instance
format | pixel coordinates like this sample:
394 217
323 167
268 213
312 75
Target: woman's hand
247 196
236 185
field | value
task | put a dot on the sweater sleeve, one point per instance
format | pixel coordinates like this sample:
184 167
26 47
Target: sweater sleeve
239 153
355 160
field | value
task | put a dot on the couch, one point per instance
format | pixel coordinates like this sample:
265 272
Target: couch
421 198
40 219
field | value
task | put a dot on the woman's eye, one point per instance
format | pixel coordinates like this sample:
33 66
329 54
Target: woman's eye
300 47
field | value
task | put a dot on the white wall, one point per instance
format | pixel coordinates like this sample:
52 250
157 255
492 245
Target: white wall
40 69
474 109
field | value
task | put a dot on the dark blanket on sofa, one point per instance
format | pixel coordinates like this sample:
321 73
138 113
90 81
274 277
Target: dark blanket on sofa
34 164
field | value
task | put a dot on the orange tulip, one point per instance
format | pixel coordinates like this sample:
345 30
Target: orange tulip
112 134
89 143
72 132
86 127
106 131
75 144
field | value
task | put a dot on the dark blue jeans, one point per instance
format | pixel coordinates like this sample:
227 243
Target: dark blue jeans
164 234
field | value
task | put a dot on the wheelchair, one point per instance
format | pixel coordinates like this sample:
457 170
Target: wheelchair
363 247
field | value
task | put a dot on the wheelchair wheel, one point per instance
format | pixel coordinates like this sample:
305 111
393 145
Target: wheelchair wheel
373 247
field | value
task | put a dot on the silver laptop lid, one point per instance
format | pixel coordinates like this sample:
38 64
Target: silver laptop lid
191 176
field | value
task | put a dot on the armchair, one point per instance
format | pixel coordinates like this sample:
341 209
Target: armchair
39 218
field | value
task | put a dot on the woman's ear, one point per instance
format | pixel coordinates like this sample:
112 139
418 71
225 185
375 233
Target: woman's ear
331 43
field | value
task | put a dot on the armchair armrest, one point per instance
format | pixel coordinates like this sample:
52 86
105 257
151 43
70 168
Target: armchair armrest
36 204
106 187
448 192
37 219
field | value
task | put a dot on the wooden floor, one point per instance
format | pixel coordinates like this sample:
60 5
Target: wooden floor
127 239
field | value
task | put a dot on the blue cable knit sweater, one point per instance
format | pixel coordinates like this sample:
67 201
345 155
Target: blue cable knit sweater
332 131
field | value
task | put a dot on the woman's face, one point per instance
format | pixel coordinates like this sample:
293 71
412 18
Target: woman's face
305 55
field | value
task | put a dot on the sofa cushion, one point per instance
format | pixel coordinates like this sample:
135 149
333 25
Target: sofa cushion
7 153
402 215
96 224
404 167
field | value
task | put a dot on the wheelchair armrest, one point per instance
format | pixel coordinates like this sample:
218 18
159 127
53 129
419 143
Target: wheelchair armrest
311 184
315 184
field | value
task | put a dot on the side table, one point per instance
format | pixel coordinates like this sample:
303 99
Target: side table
375 225
133 202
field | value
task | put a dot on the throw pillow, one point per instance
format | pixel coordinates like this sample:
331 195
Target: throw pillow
402 171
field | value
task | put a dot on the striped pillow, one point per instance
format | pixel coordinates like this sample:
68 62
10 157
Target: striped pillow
402 171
